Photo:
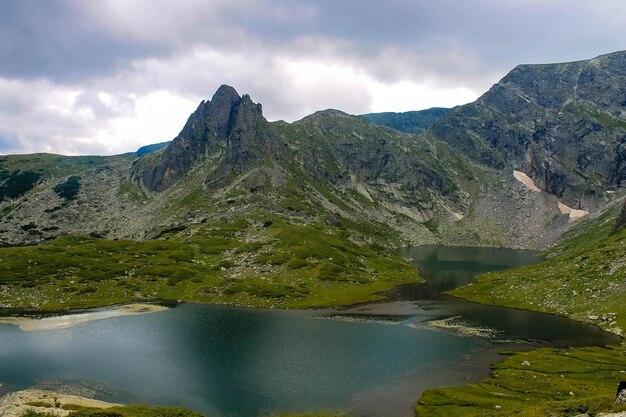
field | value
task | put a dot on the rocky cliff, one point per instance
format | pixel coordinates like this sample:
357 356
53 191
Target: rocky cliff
562 124
229 130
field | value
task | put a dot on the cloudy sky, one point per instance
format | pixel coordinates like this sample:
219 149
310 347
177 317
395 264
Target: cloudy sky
107 76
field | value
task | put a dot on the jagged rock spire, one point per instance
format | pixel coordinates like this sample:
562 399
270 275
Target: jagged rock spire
228 129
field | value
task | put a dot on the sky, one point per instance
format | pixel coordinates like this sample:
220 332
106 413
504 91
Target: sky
108 76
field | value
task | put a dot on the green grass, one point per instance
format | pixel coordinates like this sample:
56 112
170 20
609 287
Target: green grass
55 165
137 411
143 411
603 118
540 389
281 265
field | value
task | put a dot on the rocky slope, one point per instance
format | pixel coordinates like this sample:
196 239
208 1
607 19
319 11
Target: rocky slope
582 278
564 125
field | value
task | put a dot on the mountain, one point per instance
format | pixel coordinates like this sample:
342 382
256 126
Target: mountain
564 125
410 121
239 210
230 130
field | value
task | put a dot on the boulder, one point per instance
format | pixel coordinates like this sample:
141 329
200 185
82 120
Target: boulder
333 221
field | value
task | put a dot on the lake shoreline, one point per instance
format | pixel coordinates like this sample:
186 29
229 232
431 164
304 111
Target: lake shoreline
15 404
63 321
478 367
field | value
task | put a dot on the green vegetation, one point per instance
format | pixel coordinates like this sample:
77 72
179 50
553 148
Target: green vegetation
313 415
51 165
582 278
21 173
281 265
136 411
542 382
32 413
68 189
14 184
604 118
140 411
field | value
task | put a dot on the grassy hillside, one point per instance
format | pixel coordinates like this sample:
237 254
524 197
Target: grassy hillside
582 278
261 261
539 383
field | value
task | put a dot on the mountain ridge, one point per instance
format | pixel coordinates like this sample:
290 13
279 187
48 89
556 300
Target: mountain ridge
231 168
562 124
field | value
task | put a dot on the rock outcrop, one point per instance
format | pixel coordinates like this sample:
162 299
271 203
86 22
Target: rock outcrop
228 129
15 404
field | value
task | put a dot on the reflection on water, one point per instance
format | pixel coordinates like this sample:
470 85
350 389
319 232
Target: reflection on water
449 267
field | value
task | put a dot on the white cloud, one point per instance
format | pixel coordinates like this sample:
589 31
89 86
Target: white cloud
406 96
157 117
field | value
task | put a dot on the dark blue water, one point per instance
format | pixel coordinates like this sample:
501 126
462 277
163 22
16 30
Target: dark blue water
227 361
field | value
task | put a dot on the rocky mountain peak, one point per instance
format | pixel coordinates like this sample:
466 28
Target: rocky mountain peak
229 130
562 124
220 108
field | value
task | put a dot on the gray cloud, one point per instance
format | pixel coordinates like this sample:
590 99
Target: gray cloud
55 39
72 70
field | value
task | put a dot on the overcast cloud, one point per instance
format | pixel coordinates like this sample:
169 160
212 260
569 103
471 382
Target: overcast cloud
107 76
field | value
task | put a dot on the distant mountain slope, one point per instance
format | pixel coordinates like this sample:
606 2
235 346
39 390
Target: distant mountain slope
410 121
562 124
19 174
152 148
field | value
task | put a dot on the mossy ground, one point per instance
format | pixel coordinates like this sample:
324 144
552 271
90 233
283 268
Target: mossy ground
260 262
555 383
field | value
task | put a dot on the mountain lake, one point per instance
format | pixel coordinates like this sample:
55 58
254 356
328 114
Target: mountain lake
368 360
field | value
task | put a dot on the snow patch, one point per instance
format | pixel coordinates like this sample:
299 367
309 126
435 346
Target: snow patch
526 180
573 213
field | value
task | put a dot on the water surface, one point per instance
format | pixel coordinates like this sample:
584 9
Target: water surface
226 361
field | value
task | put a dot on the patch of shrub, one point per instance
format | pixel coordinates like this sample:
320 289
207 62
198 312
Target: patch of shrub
68 189
297 264
18 183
